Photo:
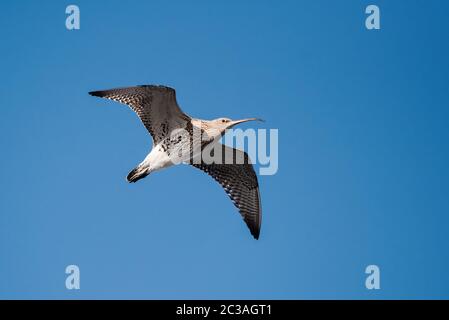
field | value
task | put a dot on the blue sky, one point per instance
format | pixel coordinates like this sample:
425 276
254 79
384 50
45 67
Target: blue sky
363 150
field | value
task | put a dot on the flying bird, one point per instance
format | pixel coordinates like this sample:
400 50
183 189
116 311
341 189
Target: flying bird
173 131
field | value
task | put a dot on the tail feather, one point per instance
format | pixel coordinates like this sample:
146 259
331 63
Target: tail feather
137 173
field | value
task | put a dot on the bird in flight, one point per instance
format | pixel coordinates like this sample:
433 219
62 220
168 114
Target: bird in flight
178 138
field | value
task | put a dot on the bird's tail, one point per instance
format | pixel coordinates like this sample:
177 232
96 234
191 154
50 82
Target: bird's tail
138 173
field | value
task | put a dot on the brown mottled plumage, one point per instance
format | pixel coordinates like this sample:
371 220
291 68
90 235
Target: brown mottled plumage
171 129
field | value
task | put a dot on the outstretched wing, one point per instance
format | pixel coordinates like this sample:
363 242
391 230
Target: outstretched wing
236 175
156 107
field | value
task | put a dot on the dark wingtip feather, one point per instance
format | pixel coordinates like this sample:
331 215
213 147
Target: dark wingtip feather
253 226
96 93
255 233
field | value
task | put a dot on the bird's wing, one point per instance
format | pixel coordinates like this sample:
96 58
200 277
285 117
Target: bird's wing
240 183
156 107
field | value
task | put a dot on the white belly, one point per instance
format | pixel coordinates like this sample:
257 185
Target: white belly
157 159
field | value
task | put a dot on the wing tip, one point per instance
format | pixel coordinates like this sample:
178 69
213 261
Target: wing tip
96 93
255 230
103 93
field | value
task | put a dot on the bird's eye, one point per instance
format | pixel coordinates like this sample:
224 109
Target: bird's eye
223 120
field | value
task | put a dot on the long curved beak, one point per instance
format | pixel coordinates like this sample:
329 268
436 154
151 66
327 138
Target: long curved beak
233 123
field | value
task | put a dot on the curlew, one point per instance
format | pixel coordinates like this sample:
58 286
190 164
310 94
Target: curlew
173 132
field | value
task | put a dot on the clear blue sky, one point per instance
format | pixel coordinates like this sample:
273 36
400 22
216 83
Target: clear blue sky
363 153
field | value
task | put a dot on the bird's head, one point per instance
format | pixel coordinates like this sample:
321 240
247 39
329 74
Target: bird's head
226 123
218 126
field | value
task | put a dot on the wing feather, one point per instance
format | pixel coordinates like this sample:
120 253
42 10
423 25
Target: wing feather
156 106
239 181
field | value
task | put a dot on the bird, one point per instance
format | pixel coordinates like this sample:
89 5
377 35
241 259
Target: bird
172 130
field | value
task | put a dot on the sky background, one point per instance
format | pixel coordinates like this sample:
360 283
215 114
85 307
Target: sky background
363 150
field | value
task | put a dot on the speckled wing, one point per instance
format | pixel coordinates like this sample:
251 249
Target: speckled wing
156 107
239 181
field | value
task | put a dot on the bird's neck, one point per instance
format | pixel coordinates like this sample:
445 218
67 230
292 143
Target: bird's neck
208 130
